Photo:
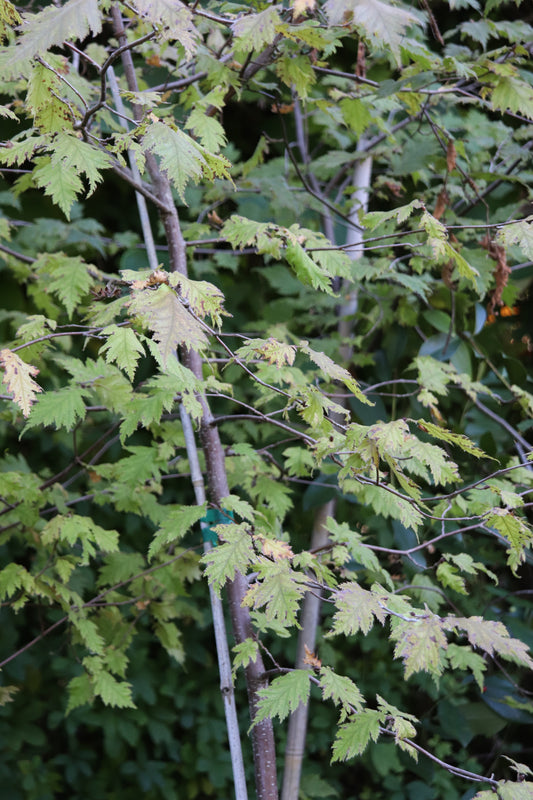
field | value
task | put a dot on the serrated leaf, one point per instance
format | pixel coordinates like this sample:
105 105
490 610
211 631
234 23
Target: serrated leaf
120 566
342 690
372 219
18 380
514 529
508 790
175 20
465 658
335 372
342 534
63 408
113 693
419 643
448 576
12 578
73 154
63 186
273 351
175 525
283 696
451 438
80 692
67 277
75 528
245 652
379 22
89 634
255 31
306 270
9 17
51 114
299 461
511 93
519 234
356 610
207 129
171 323
296 71
231 556
237 505
491 636
180 157
123 347
279 590
354 736
170 637
71 21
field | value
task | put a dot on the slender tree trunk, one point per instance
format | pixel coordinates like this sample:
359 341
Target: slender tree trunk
310 614
263 744
309 619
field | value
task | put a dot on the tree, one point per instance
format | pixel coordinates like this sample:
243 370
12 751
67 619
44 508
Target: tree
325 300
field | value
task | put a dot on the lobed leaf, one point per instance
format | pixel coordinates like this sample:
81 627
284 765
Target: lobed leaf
283 696
18 379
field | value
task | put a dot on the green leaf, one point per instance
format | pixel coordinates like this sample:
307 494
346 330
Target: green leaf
53 25
419 643
283 696
181 158
75 528
356 609
88 633
451 438
335 372
279 589
236 505
448 576
508 790
171 639
113 693
515 530
379 22
519 234
14 577
273 351
342 690
296 71
245 652
306 270
492 637
463 657
74 155
67 277
63 408
80 691
233 554
372 219
63 186
51 114
255 31
163 313
123 347
120 566
207 129
174 527
512 94
354 736
174 20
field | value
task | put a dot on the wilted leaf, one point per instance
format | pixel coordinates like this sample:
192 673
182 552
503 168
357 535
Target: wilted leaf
19 381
